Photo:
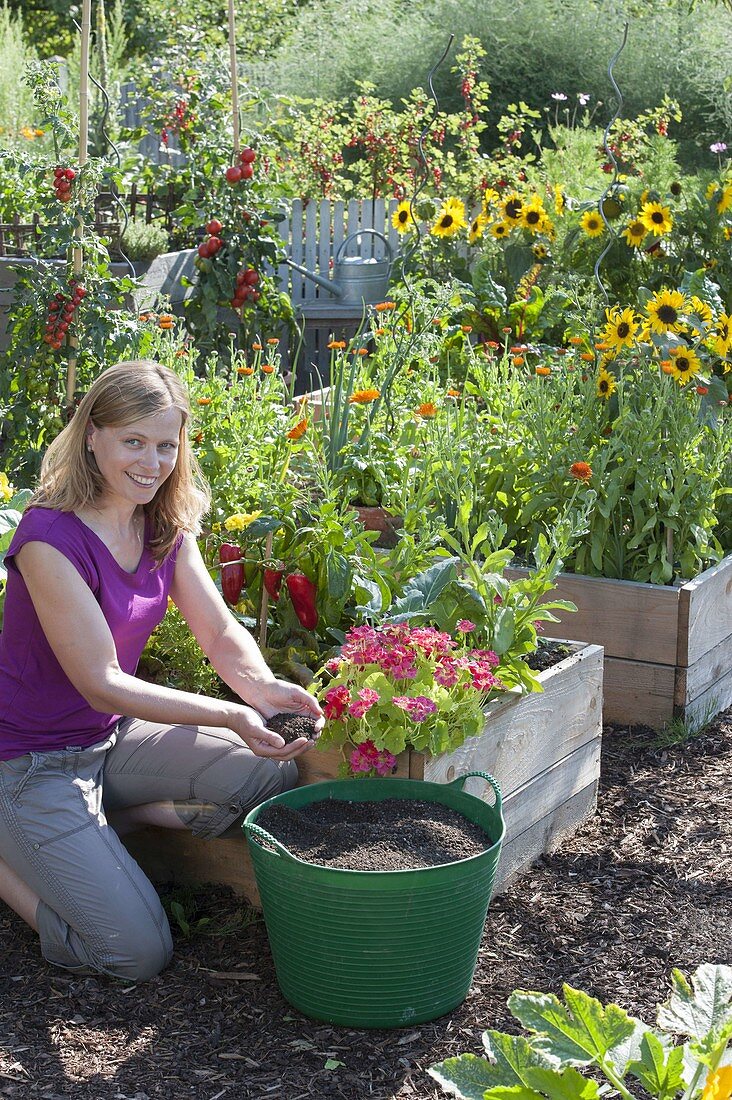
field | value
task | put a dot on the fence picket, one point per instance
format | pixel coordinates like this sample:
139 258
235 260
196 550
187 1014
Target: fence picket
296 252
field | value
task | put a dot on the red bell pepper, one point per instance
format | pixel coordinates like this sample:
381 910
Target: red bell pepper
303 593
232 572
273 582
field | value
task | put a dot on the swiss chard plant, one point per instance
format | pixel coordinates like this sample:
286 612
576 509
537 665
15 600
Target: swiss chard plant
576 1048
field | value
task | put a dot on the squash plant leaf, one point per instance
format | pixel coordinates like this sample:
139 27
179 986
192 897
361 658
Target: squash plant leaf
704 1008
566 1084
514 1056
627 1051
578 1032
467 1076
659 1070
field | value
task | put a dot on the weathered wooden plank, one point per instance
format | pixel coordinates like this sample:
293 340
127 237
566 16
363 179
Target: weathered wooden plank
544 729
703 708
339 225
311 288
544 836
325 249
551 788
705 612
698 678
629 619
638 691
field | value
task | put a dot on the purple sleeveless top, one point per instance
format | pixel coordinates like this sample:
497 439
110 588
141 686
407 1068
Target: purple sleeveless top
40 709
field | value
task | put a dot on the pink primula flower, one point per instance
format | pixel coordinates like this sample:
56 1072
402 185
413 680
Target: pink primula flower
366 758
465 626
336 701
366 699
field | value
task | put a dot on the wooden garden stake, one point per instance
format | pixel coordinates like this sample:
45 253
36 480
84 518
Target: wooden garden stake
234 77
265 601
78 256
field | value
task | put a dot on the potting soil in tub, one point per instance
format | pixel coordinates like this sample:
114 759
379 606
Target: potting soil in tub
393 835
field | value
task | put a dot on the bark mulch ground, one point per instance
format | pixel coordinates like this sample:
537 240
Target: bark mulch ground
645 886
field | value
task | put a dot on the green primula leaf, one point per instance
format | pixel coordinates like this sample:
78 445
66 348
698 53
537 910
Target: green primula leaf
659 1070
578 1032
701 1008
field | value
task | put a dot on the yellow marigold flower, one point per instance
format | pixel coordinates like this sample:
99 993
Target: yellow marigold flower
240 520
664 311
337 345
384 307
245 370
273 340
364 397
606 384
204 401
267 368
450 219
544 372
620 329
298 431
656 218
426 410
634 233
402 217
592 224
511 208
7 492
718 1084
477 228
685 363
582 471
499 230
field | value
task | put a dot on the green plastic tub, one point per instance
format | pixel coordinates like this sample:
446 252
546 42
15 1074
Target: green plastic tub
376 948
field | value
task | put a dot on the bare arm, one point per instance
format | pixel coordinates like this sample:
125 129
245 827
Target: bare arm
81 640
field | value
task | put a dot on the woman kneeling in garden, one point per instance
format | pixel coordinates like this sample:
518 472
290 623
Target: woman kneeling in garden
107 537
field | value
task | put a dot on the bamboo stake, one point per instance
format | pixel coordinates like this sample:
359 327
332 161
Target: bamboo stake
265 600
78 254
234 77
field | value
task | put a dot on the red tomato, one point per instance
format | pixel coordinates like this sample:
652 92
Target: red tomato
247 155
214 227
233 174
246 171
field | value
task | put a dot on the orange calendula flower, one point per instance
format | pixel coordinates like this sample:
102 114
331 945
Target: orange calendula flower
582 471
267 368
364 397
667 366
493 344
426 410
245 370
543 371
298 431
145 316
466 328
576 340
453 393
273 340
384 307
379 331
518 360
257 347
166 320
560 351
337 345
360 351
204 401
587 356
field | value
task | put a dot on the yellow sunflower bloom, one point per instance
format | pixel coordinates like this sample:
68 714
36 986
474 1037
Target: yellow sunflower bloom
402 217
511 208
606 385
491 197
656 218
621 327
592 223
500 230
721 342
685 363
477 228
725 199
664 311
560 199
450 220
533 216
634 233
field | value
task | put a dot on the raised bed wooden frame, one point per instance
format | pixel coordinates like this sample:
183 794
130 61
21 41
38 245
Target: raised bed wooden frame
668 651
544 749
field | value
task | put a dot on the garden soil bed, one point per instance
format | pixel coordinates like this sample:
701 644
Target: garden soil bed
644 886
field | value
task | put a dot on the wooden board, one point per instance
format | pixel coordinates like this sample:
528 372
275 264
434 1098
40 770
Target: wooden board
710 669
705 612
551 788
704 707
632 620
638 691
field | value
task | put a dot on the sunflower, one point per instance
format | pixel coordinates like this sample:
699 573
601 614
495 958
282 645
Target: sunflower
701 309
402 217
560 199
685 363
450 220
634 233
664 311
606 384
533 216
725 199
721 342
511 208
477 228
656 218
541 253
491 197
500 230
620 328
592 223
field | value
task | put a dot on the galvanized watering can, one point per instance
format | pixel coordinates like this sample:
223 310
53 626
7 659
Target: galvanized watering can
355 279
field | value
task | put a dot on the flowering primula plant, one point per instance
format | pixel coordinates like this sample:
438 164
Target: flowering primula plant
397 686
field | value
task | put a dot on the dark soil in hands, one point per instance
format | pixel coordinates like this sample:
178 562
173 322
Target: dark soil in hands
292 726
398 834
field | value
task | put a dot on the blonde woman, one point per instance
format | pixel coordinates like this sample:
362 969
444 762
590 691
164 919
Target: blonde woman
87 750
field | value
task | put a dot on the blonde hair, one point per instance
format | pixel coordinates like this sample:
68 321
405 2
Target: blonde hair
122 394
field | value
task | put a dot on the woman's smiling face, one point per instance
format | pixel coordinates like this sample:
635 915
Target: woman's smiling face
136 459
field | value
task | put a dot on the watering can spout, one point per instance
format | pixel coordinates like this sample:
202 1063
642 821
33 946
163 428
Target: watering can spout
327 284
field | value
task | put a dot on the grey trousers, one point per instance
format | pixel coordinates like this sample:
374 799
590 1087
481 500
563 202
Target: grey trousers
98 911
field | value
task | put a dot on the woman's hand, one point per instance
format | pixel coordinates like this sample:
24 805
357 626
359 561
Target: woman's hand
281 697
251 727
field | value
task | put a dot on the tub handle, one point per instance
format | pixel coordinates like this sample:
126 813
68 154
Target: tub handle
255 832
481 775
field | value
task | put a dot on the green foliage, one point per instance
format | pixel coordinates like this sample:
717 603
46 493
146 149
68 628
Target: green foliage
142 241
578 1031
174 658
